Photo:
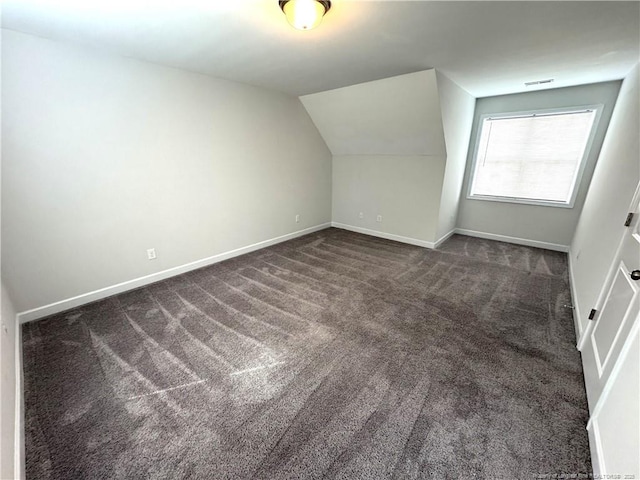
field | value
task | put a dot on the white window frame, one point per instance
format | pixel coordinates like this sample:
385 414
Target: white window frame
526 113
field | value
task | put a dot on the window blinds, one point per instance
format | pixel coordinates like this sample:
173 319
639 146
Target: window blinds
533 157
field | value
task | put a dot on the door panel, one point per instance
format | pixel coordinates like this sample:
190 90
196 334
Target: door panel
619 306
611 359
617 436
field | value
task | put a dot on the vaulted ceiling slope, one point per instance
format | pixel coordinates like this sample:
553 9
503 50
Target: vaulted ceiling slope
394 116
488 48
399 146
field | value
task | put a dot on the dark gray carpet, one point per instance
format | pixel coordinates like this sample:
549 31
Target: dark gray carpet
335 355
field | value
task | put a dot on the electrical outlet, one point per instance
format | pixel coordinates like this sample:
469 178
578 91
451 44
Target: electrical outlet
379 218
361 215
297 218
151 253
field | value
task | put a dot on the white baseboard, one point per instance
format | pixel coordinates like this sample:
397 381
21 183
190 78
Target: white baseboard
580 334
444 238
595 448
89 297
387 236
99 294
18 433
518 241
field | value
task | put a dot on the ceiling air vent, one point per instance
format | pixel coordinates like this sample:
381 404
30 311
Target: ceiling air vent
538 82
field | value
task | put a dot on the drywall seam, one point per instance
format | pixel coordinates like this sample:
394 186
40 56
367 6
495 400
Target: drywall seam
388 236
518 241
85 298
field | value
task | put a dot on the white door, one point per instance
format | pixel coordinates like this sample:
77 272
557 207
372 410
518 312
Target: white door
612 365
614 426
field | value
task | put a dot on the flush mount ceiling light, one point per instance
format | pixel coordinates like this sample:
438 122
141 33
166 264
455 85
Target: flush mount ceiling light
304 14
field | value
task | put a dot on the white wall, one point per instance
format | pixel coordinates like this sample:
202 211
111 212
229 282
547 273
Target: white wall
8 330
7 385
399 150
551 225
105 157
457 107
601 224
389 153
403 189
393 116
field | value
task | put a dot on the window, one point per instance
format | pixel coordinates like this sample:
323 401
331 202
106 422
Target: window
534 157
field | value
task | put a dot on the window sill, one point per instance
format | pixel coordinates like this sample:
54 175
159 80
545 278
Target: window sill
521 201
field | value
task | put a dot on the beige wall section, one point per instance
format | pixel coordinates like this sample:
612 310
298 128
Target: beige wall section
529 222
105 157
388 148
457 107
617 174
7 386
402 189
393 116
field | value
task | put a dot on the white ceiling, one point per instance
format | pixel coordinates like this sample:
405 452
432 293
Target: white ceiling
488 48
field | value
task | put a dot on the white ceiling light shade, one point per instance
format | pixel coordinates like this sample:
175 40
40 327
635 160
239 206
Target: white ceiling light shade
304 14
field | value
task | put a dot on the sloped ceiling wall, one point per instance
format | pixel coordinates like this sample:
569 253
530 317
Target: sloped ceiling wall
389 155
394 116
